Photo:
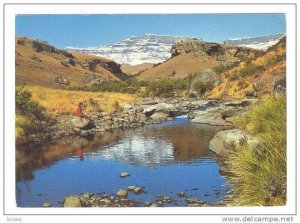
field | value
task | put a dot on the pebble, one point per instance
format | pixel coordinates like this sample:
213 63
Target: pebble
122 193
131 188
47 205
181 194
124 174
138 190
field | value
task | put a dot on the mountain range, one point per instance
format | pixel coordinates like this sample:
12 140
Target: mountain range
259 43
149 48
154 49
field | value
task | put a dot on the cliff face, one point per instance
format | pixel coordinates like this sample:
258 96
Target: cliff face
196 46
41 46
219 51
38 63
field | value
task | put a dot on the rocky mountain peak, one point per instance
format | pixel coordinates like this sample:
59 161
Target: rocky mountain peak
149 48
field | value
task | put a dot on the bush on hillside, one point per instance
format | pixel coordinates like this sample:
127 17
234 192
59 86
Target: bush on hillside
248 70
154 88
201 87
28 114
25 105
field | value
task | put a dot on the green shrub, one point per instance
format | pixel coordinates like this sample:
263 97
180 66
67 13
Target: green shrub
220 69
274 60
201 87
25 105
259 173
154 88
248 70
28 114
24 126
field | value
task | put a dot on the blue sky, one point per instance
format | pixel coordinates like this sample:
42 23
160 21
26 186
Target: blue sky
97 30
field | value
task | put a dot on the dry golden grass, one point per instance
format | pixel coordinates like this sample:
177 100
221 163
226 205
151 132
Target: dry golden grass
58 101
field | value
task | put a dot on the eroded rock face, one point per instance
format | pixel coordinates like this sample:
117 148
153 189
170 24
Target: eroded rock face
197 46
226 141
40 46
219 51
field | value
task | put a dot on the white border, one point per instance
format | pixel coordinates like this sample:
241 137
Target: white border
12 10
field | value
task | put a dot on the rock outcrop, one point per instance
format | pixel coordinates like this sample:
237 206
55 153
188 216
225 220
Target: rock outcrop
40 46
226 141
197 46
219 51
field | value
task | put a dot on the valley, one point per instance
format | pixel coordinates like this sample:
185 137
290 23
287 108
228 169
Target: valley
151 105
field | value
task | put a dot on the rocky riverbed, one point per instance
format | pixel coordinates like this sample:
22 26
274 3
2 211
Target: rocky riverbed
88 199
147 112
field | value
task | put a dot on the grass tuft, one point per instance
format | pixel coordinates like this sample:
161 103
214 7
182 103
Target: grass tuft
259 173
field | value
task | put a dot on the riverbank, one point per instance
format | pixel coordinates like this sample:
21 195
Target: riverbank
254 154
145 112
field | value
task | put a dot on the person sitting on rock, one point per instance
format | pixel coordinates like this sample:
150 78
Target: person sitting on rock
79 112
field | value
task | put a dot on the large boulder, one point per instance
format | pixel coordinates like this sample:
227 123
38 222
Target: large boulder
159 116
81 123
226 141
72 201
160 107
211 117
279 84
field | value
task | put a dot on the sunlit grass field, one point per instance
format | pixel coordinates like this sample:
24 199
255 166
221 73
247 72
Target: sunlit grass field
58 101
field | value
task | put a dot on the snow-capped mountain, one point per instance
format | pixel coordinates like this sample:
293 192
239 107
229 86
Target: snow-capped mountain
259 43
150 48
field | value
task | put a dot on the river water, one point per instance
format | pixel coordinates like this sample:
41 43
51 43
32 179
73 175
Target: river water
164 159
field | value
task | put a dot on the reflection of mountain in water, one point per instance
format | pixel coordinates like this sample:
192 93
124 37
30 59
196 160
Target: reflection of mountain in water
162 144
138 150
176 142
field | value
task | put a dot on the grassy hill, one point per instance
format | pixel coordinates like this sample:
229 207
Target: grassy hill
38 63
136 69
180 66
193 56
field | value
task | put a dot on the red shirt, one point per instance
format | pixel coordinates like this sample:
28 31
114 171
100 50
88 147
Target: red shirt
79 112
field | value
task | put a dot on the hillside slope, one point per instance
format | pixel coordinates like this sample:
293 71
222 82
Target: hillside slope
255 77
193 56
135 69
38 63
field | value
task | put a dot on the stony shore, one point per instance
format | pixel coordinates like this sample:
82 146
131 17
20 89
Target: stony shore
147 112
120 199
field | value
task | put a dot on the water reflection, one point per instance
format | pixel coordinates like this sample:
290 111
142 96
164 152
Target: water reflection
170 142
176 152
